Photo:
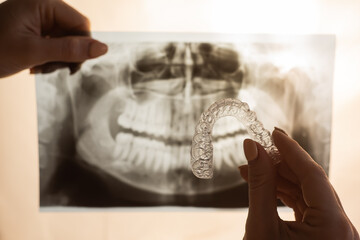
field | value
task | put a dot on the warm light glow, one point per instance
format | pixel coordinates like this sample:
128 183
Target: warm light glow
278 16
20 217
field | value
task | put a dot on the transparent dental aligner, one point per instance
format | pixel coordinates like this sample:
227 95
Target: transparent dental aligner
202 148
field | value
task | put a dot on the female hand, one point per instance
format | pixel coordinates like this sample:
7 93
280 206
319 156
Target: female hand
44 35
300 183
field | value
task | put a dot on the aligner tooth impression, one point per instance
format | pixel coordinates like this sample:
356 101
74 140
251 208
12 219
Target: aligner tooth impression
202 149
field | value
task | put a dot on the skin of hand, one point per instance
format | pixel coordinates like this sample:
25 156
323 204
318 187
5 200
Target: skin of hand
300 183
44 35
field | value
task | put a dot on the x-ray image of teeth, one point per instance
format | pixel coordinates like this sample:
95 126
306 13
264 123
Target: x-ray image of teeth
118 132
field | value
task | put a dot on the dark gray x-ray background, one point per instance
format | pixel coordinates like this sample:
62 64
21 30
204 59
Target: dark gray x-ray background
118 132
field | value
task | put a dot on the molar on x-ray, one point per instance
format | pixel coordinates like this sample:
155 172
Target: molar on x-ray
119 132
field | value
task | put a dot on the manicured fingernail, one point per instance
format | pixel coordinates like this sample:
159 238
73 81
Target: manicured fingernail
97 49
250 149
280 130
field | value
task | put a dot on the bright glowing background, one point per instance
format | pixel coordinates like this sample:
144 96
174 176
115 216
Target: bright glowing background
19 214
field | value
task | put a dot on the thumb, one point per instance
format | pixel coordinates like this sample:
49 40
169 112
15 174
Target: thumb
262 191
68 49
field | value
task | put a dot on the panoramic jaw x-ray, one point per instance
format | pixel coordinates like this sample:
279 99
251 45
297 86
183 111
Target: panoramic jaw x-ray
118 133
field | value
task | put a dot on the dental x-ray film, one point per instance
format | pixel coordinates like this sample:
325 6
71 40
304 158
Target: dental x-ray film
118 132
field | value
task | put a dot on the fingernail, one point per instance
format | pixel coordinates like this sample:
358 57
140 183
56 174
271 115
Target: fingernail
250 149
280 130
97 49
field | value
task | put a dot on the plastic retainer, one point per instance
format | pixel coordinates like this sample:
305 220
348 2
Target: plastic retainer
202 148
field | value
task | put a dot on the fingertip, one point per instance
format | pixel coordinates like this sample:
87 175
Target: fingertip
250 150
283 142
279 134
97 49
281 130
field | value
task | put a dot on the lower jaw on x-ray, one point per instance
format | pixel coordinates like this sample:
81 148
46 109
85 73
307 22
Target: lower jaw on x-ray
119 132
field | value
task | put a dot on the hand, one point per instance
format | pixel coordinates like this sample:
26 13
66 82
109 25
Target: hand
44 35
300 183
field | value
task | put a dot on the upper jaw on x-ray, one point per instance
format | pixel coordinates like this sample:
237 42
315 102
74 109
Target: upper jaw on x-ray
134 111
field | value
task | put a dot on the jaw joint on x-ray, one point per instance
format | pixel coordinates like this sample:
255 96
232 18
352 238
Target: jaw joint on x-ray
202 149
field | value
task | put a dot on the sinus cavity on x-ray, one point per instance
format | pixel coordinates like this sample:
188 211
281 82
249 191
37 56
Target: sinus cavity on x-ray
118 133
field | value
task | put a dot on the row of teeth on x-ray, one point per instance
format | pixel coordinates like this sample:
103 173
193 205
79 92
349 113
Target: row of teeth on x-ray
163 143
158 156
160 121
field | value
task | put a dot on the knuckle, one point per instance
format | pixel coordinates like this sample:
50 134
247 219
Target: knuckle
315 175
315 171
260 179
256 185
318 170
83 26
70 49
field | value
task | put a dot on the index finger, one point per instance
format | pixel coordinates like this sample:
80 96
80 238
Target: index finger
317 190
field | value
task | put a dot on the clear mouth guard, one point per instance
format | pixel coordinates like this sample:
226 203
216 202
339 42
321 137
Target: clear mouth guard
202 148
